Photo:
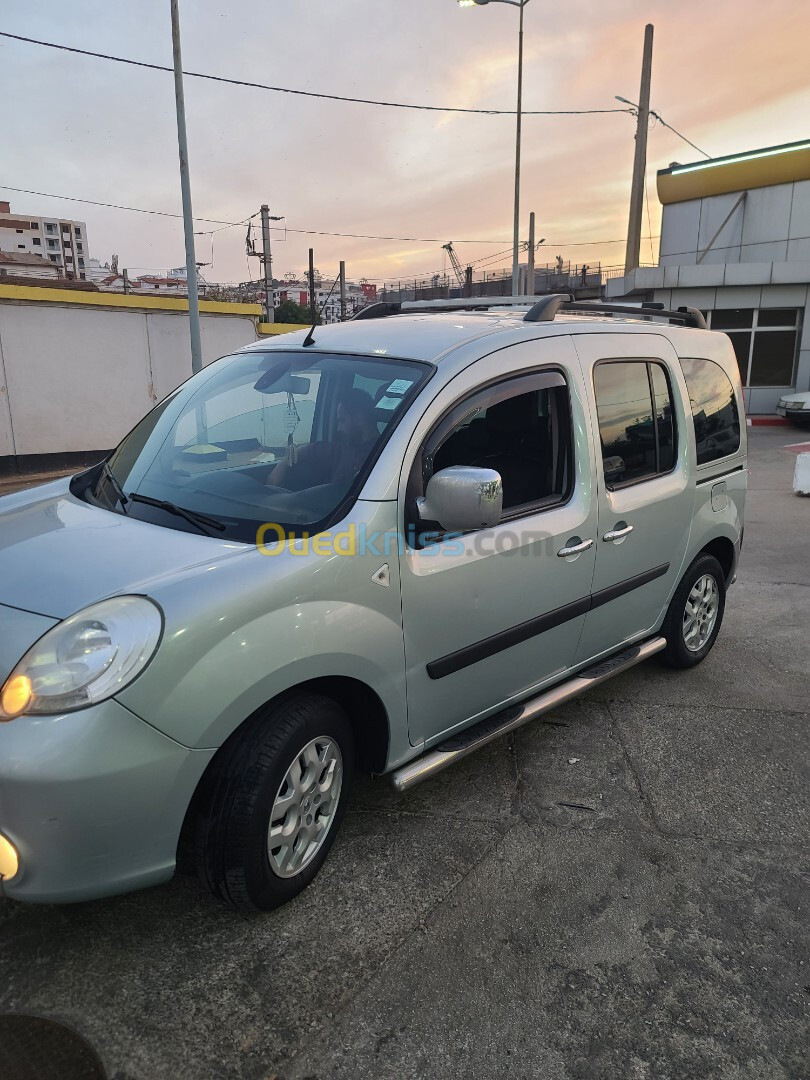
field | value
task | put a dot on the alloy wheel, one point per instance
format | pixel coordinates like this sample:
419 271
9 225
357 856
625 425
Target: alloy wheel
304 807
700 613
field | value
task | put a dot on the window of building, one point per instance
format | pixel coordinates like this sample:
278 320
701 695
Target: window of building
520 428
78 231
36 241
79 247
765 342
49 227
81 263
636 421
714 409
54 258
19 231
21 247
34 224
51 243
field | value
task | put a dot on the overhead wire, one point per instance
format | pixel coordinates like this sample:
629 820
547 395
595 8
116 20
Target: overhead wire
661 120
305 232
304 93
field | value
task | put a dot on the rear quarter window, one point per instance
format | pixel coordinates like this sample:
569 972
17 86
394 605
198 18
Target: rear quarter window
714 409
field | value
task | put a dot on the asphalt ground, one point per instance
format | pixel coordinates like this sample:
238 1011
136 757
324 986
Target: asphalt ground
620 892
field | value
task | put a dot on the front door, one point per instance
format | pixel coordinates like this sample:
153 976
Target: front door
493 614
645 502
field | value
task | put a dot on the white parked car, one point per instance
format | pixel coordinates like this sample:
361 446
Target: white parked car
795 407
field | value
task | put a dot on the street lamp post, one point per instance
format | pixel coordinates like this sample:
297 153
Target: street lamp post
516 230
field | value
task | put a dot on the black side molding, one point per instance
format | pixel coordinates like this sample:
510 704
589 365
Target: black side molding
515 635
613 592
505 639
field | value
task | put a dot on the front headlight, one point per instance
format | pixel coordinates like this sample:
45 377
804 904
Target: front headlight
85 659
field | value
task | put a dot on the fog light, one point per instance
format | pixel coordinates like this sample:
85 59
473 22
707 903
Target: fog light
16 696
9 860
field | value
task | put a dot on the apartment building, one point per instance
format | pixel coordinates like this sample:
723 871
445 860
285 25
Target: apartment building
62 242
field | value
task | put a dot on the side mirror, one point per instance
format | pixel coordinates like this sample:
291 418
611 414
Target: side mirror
462 498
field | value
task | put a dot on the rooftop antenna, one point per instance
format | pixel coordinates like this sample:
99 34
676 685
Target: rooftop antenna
310 338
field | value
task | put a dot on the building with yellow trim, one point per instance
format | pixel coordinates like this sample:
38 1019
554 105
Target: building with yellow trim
735 242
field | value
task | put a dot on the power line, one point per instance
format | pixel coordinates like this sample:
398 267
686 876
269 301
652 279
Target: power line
307 93
117 206
244 221
671 128
484 260
303 232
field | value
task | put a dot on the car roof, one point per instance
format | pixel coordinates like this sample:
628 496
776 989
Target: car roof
431 336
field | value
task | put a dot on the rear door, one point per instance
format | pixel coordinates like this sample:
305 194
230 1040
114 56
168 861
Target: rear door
645 492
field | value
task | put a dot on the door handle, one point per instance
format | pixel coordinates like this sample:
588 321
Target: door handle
618 534
575 549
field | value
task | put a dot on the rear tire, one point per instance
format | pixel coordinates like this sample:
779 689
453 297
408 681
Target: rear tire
277 796
695 614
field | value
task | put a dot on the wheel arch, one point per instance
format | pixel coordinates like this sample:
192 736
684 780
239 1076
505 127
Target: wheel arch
367 715
722 548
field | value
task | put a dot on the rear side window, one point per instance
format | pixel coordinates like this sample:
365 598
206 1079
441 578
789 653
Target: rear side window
636 422
714 409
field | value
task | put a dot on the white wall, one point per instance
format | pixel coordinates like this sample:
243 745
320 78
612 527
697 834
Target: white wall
76 378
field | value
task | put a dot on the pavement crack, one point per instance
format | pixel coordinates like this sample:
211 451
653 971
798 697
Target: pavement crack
404 938
393 811
642 794
607 702
514 802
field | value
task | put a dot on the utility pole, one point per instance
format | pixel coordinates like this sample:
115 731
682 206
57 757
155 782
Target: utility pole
185 187
313 310
516 230
267 264
632 255
342 291
530 268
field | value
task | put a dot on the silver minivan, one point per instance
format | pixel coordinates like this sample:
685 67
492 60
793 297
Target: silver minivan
373 546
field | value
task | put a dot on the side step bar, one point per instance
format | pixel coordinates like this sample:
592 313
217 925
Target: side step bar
469 740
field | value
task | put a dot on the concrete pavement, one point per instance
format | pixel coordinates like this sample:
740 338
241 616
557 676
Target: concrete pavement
639 913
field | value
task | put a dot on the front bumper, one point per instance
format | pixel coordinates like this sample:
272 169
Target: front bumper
93 802
796 416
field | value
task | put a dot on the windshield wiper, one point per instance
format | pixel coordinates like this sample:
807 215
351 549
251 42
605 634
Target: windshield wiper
202 522
111 479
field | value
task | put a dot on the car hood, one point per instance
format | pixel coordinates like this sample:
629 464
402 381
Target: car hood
59 554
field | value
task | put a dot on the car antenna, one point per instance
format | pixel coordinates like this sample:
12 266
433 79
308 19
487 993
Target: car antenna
310 338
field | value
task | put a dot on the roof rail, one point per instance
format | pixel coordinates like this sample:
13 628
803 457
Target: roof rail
544 309
547 307
464 303
541 309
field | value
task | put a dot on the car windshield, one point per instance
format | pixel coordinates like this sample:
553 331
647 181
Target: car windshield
260 437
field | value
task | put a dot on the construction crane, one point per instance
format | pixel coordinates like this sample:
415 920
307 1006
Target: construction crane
457 268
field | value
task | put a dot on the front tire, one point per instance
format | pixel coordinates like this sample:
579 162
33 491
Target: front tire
695 614
278 794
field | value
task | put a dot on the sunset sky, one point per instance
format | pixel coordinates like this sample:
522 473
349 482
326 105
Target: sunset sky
731 76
